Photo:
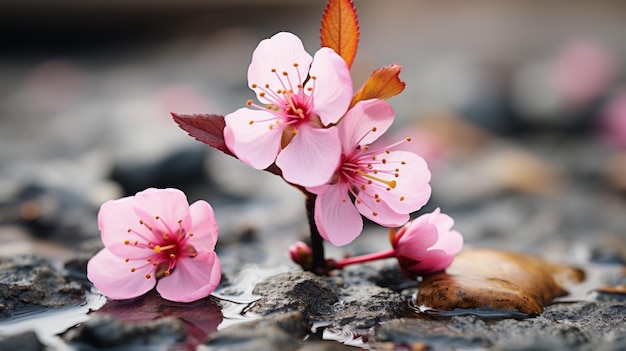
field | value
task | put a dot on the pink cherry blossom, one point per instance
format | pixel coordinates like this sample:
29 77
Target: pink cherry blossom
427 244
302 97
156 238
386 185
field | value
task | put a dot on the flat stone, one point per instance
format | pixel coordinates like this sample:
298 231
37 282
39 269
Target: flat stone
27 280
296 292
496 280
329 299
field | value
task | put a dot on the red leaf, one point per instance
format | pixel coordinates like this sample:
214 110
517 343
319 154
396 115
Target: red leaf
340 29
207 128
382 84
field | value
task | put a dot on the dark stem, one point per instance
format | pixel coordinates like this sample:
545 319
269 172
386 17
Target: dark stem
318 265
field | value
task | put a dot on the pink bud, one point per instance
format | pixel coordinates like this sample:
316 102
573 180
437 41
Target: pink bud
427 244
301 254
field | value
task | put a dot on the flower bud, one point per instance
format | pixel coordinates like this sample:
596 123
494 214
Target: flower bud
426 244
301 254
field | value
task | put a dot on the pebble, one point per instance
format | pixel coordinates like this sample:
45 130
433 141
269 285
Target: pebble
496 280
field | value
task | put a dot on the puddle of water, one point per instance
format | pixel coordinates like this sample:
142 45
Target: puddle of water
49 322
346 336
237 297
596 276
484 313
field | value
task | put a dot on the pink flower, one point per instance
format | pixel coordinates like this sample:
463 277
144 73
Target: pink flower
156 238
302 98
386 185
427 244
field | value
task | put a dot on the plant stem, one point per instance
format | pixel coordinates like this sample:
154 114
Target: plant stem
365 258
318 265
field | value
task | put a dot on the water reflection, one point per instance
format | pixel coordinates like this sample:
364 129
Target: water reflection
200 318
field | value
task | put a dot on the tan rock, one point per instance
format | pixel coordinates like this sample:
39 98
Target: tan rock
498 280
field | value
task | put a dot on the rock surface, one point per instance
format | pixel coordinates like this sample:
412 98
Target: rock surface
29 280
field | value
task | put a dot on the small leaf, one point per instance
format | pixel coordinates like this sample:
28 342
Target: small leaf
340 29
382 84
207 128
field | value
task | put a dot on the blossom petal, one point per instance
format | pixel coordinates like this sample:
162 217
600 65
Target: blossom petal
451 243
336 218
433 261
412 190
312 156
442 221
170 205
417 239
112 276
279 53
364 123
204 227
114 219
380 212
332 88
255 144
192 278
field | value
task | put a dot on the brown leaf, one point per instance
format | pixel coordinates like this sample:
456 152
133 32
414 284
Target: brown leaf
207 128
382 84
340 29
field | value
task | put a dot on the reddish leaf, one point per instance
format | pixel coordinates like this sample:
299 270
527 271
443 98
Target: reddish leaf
207 128
340 29
382 84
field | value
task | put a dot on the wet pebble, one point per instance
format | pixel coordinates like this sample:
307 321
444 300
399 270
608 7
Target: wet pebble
496 280
28 280
51 212
179 168
296 292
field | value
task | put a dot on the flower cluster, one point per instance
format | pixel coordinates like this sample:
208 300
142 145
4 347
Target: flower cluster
318 143
320 138
310 128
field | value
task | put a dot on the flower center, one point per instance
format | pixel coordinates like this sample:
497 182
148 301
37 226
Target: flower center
290 103
167 246
371 173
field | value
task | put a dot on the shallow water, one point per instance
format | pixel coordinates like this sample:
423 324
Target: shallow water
49 323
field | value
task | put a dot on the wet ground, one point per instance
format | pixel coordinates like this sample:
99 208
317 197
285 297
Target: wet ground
522 161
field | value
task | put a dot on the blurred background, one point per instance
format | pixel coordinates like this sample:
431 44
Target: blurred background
518 106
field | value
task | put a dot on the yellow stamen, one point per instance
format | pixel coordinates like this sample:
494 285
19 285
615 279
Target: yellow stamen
160 248
391 183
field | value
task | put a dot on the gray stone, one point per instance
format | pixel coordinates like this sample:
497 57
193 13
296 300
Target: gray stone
105 331
30 280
